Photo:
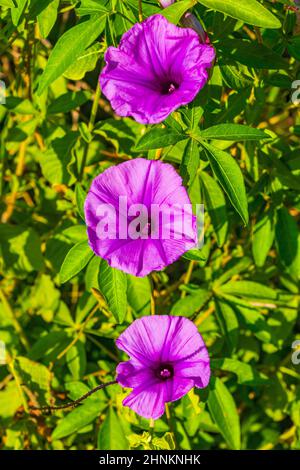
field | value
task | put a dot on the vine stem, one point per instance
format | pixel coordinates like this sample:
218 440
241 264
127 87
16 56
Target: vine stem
170 423
140 10
188 277
75 402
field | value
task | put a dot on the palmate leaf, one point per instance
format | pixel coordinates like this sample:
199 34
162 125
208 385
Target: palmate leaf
232 132
188 305
84 63
36 376
246 374
139 294
263 238
68 101
190 161
252 54
81 416
80 195
249 11
229 324
230 178
288 241
223 411
157 138
47 17
113 285
216 206
75 261
69 47
17 10
111 434
7 3
90 7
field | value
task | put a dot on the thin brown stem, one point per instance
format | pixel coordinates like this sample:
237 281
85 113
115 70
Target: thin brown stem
74 403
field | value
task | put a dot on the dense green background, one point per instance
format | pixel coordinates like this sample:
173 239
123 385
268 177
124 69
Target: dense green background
61 308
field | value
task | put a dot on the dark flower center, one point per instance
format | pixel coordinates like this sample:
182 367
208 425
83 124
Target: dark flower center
165 371
146 228
169 87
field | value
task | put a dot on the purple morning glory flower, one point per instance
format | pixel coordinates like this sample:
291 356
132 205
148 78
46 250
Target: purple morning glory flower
163 232
168 357
157 68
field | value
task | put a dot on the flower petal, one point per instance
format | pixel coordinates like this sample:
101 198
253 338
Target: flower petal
185 343
198 371
148 402
133 374
146 338
177 387
140 181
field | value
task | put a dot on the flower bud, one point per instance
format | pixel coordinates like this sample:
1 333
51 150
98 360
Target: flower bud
190 21
166 3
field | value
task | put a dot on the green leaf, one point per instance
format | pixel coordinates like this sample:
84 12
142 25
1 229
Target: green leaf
111 434
224 413
196 255
113 285
10 400
57 158
7 3
37 377
246 374
250 317
229 324
190 304
84 63
174 12
68 101
288 241
157 138
21 249
90 7
236 76
81 416
47 18
76 360
262 239
230 178
249 289
294 47
249 11
233 132
91 275
251 54
216 205
49 345
139 294
75 261
190 161
80 195
69 46
17 11
19 105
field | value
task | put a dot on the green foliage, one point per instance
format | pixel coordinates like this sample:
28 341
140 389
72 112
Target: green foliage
61 308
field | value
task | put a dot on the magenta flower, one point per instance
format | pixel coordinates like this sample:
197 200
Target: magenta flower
139 216
168 357
157 68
